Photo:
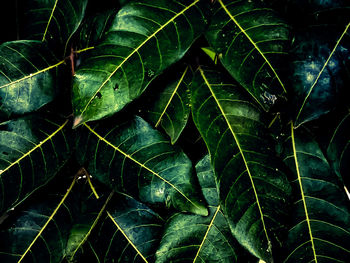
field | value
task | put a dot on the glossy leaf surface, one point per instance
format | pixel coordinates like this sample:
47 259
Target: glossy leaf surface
129 233
132 157
252 41
32 150
253 188
320 231
170 108
145 38
28 76
52 21
317 73
193 238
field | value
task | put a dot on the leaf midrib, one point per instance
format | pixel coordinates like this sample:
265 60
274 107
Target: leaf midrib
241 153
320 73
302 193
140 164
253 43
135 51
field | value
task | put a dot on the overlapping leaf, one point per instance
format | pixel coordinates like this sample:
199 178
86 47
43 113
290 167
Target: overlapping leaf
170 108
91 210
28 76
193 238
129 233
32 150
253 189
145 38
52 21
339 149
93 29
320 230
317 73
39 233
131 156
252 41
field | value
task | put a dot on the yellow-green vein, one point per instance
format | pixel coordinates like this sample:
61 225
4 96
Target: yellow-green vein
127 238
206 233
241 152
171 97
136 50
253 43
32 74
321 71
48 220
302 192
140 164
48 22
92 226
44 70
37 146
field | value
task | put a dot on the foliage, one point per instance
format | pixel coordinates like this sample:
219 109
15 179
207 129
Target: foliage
175 131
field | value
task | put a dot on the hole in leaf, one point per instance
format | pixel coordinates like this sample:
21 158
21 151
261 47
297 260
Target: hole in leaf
99 95
116 87
5 153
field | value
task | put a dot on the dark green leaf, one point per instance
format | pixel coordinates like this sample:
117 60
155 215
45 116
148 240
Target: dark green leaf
133 157
252 42
317 73
94 28
339 149
90 212
170 108
52 21
129 233
39 233
320 230
253 189
145 38
193 238
32 150
28 76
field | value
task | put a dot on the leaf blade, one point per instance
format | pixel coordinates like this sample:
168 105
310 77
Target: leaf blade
243 170
130 57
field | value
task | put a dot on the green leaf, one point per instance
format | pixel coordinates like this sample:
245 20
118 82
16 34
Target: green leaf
94 28
338 150
129 233
132 157
317 73
39 233
170 107
145 38
32 151
53 21
28 76
254 191
193 238
320 229
90 213
252 41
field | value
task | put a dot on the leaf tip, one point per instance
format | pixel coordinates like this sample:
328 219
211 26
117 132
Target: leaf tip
78 120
